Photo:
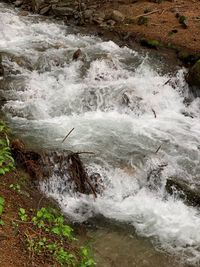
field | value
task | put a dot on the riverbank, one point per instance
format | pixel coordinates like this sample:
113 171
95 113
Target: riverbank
33 232
154 24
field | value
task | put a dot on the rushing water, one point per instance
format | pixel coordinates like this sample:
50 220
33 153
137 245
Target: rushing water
123 108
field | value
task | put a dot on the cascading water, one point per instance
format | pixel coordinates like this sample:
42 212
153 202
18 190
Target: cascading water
123 109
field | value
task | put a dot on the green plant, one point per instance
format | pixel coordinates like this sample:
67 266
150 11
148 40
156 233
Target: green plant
33 244
15 227
48 235
65 258
6 159
15 187
2 203
52 222
22 215
87 260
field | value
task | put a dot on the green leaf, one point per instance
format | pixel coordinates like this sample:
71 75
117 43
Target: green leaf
1 209
56 230
2 201
66 231
22 211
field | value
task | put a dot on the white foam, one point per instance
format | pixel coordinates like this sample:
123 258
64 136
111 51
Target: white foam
90 95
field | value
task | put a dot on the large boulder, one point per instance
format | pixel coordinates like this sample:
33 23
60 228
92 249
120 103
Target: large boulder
193 78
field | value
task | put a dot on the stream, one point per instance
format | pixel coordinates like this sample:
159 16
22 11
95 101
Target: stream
133 111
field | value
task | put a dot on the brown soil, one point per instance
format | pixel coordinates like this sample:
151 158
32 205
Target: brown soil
162 21
13 252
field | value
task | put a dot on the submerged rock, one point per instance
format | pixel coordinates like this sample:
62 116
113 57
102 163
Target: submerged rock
77 54
184 191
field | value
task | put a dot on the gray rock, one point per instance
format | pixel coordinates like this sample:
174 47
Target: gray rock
117 16
98 18
23 13
77 54
62 10
111 22
88 13
45 10
18 3
83 6
37 5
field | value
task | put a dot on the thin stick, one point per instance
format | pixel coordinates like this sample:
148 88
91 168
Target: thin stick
154 113
67 135
84 152
158 10
167 81
147 14
158 149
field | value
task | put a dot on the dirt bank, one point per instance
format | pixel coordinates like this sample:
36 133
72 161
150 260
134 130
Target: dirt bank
152 23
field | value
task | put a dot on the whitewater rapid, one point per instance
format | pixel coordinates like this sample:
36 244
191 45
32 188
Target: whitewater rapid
123 108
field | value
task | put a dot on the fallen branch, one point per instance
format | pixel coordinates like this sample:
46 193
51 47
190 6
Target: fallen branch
68 166
67 135
147 14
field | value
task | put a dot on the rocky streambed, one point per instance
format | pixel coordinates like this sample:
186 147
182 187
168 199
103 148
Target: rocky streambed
133 112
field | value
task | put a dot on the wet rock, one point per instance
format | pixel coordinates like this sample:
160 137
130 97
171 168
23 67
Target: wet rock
117 16
23 13
111 22
45 10
183 190
188 57
62 10
37 5
98 19
1 67
88 13
83 6
18 3
77 54
150 43
194 75
131 100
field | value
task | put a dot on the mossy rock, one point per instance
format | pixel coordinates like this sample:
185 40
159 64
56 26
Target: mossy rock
150 43
193 77
188 58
